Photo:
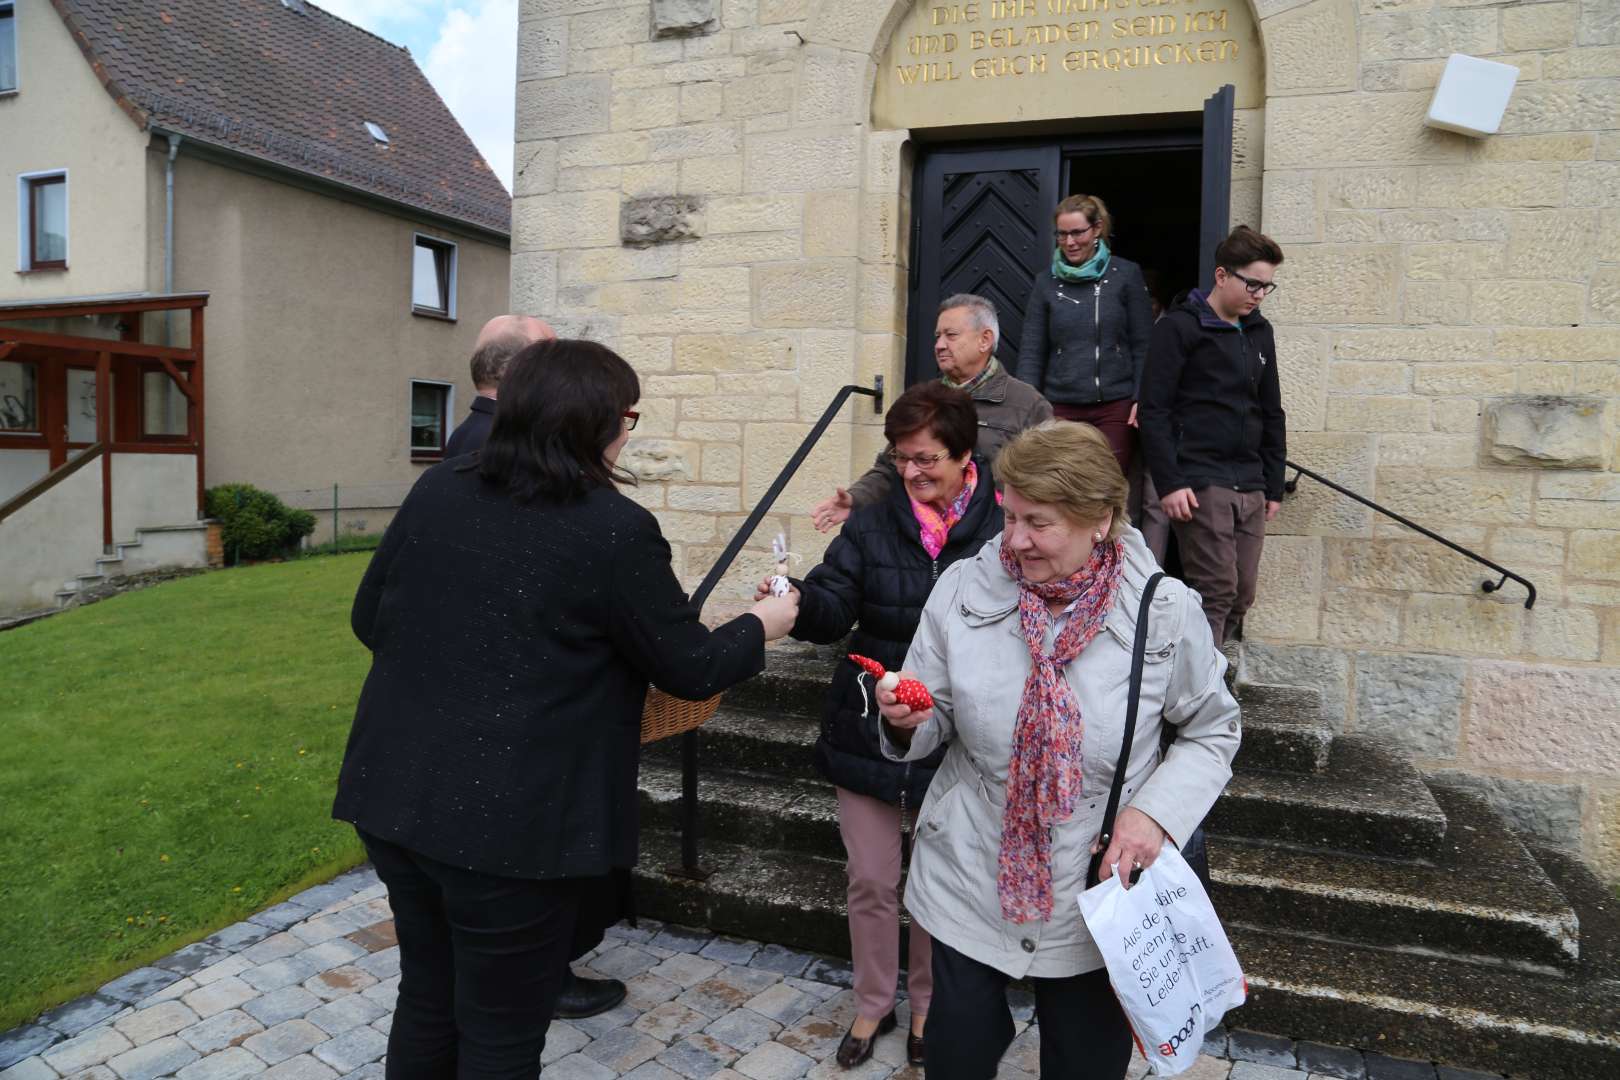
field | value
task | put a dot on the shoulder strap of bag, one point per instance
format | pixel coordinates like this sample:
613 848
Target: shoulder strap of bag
1132 701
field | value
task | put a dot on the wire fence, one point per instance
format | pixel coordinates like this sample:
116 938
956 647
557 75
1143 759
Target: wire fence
347 516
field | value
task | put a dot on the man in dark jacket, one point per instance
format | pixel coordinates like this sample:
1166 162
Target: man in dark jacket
965 336
1213 427
502 338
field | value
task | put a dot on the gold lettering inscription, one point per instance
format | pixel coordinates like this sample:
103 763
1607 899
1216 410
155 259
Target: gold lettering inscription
1030 47
1013 9
929 44
991 67
1203 22
953 13
927 73
1022 37
1140 56
1145 26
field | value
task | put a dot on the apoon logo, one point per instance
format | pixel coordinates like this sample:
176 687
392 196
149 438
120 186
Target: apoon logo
1169 1047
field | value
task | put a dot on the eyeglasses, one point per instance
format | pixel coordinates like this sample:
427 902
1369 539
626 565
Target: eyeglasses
1073 234
922 461
631 416
1255 288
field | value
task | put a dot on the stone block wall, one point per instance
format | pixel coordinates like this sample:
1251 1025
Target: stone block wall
699 184
696 186
1449 338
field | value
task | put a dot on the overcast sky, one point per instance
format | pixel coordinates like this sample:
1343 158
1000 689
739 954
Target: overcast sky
467 48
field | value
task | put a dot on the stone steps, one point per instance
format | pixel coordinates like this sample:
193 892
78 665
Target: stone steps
1429 1008
1370 911
735 738
755 778
770 722
1283 729
1457 905
1369 800
769 895
1436 1008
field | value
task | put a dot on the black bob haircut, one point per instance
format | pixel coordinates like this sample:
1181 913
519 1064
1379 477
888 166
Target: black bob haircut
561 405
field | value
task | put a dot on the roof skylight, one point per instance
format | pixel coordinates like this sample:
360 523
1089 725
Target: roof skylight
377 132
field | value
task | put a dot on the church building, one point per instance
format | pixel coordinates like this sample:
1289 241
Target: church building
759 201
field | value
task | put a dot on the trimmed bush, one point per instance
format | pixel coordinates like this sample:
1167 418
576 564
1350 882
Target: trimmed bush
255 524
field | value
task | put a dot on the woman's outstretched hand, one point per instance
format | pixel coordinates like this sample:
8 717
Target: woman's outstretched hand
1136 843
778 613
898 714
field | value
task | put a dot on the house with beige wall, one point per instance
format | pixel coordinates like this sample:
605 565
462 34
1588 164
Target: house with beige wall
759 201
301 183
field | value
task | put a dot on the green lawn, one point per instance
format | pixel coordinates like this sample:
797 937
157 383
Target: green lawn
170 757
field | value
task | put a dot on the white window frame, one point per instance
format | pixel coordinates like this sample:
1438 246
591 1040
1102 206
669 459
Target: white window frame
25 224
449 416
16 53
453 274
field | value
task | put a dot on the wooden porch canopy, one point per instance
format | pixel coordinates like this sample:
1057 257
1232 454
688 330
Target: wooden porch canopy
122 368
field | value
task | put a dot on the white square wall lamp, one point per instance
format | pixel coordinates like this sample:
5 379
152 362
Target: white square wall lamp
1472 95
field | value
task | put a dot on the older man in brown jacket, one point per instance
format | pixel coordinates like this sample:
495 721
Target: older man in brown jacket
965 336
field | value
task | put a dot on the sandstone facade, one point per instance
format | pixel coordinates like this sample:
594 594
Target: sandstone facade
1448 328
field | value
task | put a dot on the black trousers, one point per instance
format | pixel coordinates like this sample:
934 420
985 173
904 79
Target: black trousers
1084 1033
481 963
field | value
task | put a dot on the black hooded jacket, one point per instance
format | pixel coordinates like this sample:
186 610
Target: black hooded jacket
1211 408
876 577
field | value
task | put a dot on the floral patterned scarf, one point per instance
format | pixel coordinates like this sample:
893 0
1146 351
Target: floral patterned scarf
1043 777
936 527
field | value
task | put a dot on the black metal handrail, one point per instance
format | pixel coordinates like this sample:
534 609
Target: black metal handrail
689 741
1487 585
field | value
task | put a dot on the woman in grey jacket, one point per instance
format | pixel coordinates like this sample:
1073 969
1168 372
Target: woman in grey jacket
1086 327
1026 649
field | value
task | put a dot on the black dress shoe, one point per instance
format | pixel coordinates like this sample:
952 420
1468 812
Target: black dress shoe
587 997
853 1051
914 1049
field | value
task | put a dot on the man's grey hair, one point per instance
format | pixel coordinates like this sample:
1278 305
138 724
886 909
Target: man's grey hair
984 313
489 362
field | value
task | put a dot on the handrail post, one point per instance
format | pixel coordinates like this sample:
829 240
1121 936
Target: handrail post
104 437
689 867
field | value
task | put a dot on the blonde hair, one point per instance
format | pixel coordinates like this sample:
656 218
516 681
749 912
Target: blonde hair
1068 465
1095 209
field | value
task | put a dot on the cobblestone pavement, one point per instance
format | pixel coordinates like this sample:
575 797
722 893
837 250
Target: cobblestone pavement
305 991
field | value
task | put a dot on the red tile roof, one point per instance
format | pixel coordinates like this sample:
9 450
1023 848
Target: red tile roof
293 86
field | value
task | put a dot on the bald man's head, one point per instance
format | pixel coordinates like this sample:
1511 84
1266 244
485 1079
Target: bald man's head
502 338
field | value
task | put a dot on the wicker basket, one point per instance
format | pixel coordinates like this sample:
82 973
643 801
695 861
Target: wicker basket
665 714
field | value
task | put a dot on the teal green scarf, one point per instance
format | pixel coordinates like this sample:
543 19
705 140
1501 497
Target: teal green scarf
1094 267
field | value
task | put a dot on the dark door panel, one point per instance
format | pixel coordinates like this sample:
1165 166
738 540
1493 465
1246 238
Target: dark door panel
985 227
1215 208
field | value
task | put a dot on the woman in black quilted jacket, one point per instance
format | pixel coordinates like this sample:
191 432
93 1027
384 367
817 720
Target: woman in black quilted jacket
1086 328
875 578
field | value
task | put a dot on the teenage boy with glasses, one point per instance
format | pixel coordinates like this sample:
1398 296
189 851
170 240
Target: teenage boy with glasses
1212 426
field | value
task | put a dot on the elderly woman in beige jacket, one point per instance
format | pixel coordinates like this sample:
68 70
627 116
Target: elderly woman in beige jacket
1027 650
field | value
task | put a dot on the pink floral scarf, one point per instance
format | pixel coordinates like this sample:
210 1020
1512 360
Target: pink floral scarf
936 527
1043 777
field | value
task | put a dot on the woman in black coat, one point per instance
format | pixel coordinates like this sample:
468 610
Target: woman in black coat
516 611
875 577
1086 328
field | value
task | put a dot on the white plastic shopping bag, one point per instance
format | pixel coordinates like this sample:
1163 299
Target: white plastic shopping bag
1168 959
